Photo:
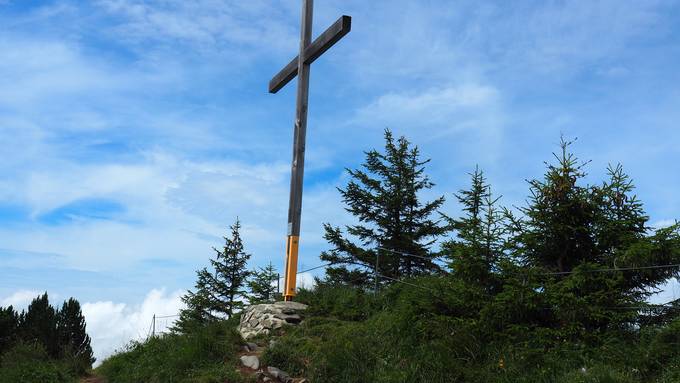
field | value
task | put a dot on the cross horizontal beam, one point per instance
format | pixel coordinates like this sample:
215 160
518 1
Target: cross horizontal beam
320 45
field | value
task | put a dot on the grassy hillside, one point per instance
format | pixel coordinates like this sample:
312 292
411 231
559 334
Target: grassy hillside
208 355
408 334
416 335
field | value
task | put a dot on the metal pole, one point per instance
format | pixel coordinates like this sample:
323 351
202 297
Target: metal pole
153 332
298 166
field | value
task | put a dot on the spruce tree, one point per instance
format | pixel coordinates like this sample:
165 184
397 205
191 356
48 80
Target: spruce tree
220 290
261 284
578 235
477 250
9 324
39 324
197 312
73 338
393 221
227 286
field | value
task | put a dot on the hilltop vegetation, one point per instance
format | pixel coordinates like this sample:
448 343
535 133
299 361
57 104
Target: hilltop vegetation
43 344
552 291
207 354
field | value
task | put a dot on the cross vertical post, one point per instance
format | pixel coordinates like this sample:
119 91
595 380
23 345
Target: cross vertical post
300 67
298 166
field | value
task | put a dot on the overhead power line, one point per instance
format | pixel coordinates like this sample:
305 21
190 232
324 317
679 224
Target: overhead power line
314 268
432 259
615 269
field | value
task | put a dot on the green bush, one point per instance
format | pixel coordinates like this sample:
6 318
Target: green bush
445 332
30 363
338 301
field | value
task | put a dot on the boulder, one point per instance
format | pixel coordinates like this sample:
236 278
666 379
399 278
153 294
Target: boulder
281 376
263 318
250 361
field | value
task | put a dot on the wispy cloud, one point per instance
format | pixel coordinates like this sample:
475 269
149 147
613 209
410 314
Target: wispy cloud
20 299
450 108
133 131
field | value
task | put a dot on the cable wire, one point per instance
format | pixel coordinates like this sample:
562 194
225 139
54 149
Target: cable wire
614 269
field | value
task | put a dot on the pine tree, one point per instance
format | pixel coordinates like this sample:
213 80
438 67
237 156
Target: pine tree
228 284
261 284
572 231
219 291
393 221
72 332
197 312
9 324
561 215
475 253
39 324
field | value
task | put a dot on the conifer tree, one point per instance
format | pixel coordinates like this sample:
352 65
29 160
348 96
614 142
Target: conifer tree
261 284
9 324
73 338
478 247
220 290
385 198
197 312
39 324
227 286
572 231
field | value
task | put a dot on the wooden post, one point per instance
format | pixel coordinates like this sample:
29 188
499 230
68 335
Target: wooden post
298 166
300 67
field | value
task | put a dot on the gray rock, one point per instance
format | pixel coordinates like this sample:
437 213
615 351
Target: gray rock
251 346
263 318
273 371
250 361
282 376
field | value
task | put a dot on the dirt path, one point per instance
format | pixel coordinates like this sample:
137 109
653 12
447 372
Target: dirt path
92 379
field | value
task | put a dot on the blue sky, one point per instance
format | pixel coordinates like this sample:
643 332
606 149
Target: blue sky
134 132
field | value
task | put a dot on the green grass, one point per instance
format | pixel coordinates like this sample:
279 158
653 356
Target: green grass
409 335
208 355
29 363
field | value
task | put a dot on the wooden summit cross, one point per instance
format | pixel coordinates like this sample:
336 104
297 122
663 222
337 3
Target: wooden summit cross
299 66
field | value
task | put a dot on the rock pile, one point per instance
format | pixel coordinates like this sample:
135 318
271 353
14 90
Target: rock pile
263 318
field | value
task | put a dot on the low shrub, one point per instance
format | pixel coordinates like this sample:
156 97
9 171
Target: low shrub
30 363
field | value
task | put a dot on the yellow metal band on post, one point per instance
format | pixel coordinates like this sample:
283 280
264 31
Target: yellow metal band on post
291 267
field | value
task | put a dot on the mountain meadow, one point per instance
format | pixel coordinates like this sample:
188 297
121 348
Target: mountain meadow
555 290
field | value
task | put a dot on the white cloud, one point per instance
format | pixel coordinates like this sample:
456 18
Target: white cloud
662 223
174 207
669 292
113 325
20 299
438 113
207 25
305 281
433 106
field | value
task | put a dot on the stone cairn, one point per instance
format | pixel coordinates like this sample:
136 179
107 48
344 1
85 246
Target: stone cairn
262 319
